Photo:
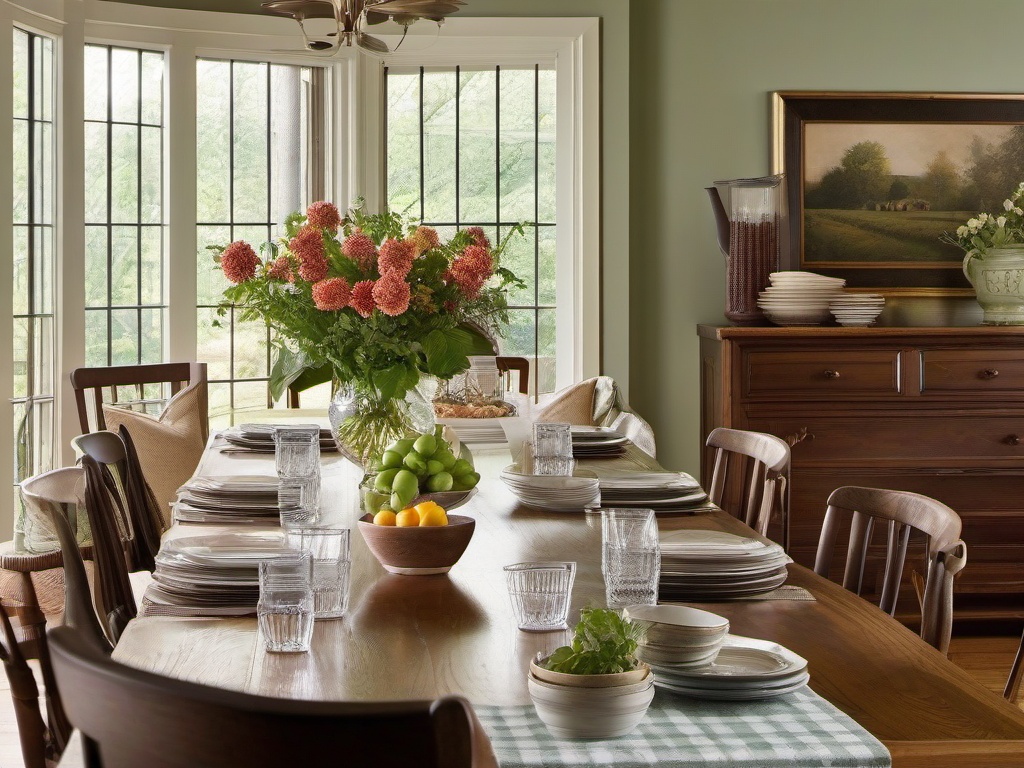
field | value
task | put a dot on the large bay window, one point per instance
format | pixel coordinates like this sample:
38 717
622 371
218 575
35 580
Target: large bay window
113 204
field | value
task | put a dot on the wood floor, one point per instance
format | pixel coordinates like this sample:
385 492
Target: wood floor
987 658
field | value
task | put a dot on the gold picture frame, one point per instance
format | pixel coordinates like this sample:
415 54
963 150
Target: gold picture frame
875 178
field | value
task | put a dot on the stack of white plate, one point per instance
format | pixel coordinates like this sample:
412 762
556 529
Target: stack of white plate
553 493
857 309
259 438
597 442
714 565
744 670
229 499
214 575
679 636
664 492
799 298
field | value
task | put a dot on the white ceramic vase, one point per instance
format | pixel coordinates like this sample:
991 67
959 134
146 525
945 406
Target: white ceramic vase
998 280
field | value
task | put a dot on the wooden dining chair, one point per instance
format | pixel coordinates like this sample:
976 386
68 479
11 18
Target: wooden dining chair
59 492
59 496
178 724
114 598
518 364
42 739
129 492
901 513
750 479
1012 689
146 387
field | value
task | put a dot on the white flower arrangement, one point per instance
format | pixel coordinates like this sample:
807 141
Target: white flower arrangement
987 231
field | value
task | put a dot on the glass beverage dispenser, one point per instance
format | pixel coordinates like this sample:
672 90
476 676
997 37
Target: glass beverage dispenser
749 230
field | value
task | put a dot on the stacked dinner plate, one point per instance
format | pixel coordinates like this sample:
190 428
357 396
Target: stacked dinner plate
714 565
553 493
678 636
663 492
259 438
745 669
857 309
597 442
799 298
230 499
212 575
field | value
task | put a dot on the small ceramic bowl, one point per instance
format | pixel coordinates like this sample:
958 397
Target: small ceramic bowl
589 681
419 550
590 713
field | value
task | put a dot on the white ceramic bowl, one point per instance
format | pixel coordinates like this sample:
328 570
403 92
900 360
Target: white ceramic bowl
617 680
590 713
781 316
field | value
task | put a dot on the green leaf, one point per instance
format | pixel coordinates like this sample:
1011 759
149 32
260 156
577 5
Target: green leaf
287 367
479 344
392 382
445 350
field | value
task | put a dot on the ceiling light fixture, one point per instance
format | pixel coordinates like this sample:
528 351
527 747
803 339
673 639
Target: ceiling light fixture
351 18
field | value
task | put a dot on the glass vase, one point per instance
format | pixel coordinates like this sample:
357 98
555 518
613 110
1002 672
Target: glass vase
364 423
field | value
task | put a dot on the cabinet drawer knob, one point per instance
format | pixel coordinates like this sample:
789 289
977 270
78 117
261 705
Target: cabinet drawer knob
1012 440
830 374
988 373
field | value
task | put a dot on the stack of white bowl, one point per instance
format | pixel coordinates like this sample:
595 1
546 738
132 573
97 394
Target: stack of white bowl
857 309
799 298
678 636
553 493
591 706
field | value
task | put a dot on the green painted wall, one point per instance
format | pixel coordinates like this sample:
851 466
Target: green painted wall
700 76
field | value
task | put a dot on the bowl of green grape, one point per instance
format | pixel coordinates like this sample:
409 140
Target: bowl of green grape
419 468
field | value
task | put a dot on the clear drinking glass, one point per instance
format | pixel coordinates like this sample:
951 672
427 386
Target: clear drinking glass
332 565
540 594
631 557
297 460
298 500
285 608
552 440
554 465
297 450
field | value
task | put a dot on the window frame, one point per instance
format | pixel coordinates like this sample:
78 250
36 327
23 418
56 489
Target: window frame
572 44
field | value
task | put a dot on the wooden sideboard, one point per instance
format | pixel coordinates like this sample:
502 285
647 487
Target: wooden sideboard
938 411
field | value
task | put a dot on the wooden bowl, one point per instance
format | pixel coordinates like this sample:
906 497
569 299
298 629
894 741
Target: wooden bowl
419 550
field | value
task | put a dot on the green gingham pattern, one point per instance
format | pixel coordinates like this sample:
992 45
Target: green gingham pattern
798 729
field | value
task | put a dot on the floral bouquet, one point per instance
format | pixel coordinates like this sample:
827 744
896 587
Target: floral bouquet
375 300
991 230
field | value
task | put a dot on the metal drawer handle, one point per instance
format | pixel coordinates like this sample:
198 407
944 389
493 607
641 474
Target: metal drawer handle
831 374
1012 440
989 373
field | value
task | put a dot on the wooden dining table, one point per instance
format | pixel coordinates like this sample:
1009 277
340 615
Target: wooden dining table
419 637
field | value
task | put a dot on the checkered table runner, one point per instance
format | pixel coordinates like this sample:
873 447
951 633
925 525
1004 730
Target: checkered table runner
799 729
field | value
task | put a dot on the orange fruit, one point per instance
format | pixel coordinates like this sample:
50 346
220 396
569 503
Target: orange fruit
384 517
407 518
432 513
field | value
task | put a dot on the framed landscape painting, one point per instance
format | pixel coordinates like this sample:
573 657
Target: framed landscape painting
874 180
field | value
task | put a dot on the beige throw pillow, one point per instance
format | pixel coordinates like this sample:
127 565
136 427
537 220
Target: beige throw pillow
169 445
573 405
